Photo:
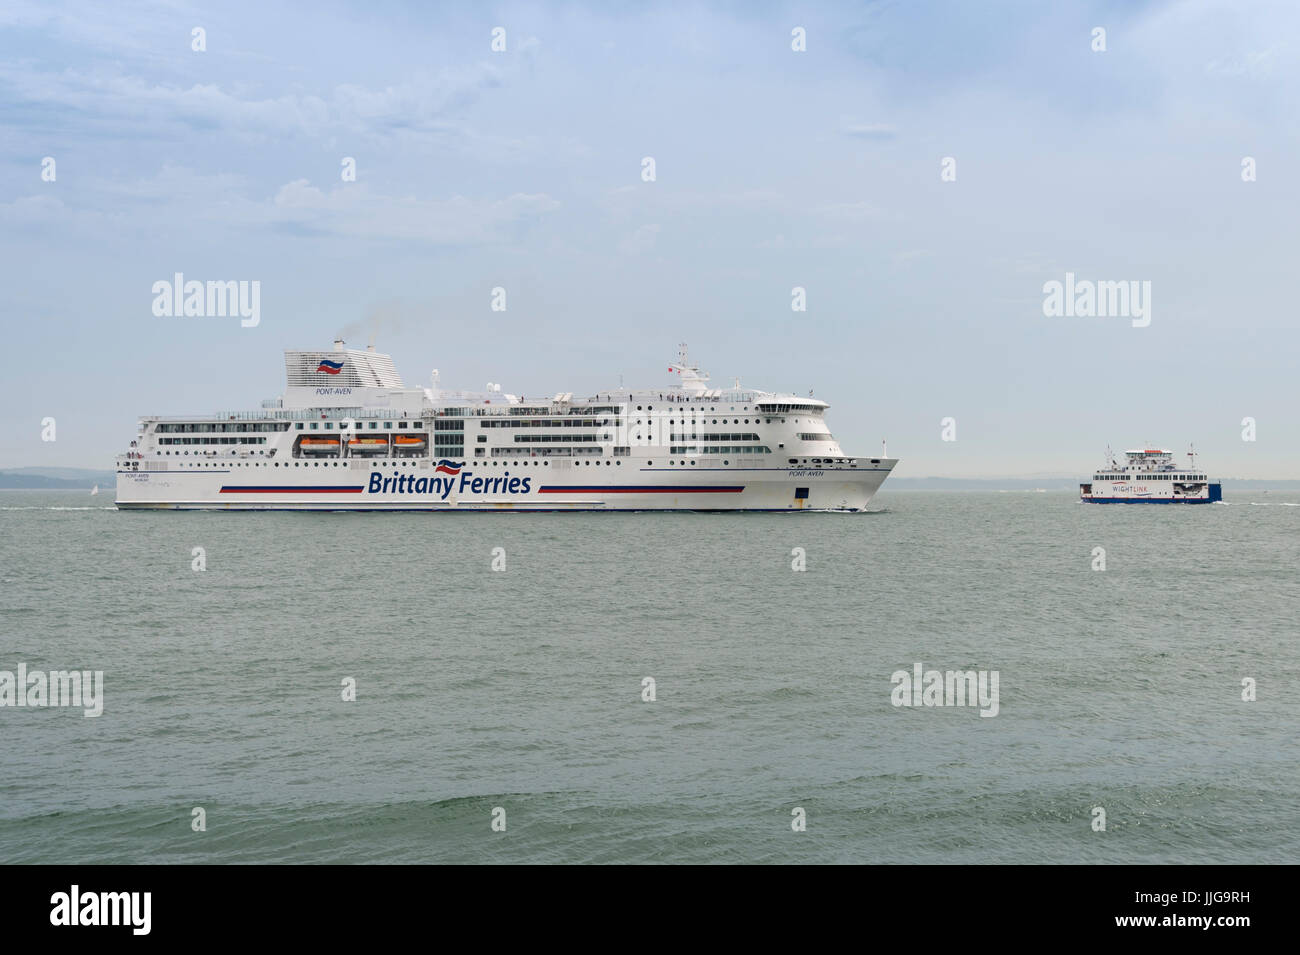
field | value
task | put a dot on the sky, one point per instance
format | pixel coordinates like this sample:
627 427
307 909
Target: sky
775 168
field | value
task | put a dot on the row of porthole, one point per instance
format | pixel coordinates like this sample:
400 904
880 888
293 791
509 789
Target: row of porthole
715 421
339 464
510 464
652 408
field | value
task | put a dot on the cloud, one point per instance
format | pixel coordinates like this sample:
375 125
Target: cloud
1253 64
354 210
640 241
868 130
126 106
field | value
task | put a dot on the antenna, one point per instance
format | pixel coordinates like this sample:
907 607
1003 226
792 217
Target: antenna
884 449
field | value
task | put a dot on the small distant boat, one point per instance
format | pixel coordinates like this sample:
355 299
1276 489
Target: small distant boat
94 490
1149 476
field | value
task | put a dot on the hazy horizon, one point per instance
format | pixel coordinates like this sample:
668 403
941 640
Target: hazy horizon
775 168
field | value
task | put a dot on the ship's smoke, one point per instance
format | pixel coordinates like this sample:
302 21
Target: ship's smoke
382 318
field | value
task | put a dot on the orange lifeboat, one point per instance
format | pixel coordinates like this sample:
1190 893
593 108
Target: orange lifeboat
368 446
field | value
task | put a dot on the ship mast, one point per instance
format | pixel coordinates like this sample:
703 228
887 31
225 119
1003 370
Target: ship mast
693 380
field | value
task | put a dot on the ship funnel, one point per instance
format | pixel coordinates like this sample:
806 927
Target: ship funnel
338 344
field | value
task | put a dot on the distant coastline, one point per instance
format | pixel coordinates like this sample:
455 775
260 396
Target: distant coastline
53 479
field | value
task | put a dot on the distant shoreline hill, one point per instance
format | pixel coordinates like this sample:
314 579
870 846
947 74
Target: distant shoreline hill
53 479
74 479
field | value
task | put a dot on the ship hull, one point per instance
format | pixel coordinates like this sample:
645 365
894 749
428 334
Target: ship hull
1212 494
552 486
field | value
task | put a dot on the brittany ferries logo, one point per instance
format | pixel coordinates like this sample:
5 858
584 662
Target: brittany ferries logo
330 367
442 487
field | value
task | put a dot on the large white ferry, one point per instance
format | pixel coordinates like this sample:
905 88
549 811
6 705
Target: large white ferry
348 435
1149 475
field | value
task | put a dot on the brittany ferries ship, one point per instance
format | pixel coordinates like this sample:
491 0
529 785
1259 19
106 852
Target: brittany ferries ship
348 435
1150 476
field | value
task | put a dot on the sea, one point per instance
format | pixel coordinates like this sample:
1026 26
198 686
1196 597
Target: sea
656 687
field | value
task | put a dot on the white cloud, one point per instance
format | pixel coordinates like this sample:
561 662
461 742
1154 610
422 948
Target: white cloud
354 210
867 130
641 241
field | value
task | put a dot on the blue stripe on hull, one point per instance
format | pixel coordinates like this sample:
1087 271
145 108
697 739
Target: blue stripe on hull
1146 500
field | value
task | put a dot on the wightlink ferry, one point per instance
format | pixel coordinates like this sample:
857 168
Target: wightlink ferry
1150 476
347 434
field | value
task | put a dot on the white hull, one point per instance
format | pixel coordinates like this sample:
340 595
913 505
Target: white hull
551 486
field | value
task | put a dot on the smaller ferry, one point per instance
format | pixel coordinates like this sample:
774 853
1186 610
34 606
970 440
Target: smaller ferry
1150 476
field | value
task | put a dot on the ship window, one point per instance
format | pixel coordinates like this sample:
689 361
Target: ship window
299 425
315 425
388 424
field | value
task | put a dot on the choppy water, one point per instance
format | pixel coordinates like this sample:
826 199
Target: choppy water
522 689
